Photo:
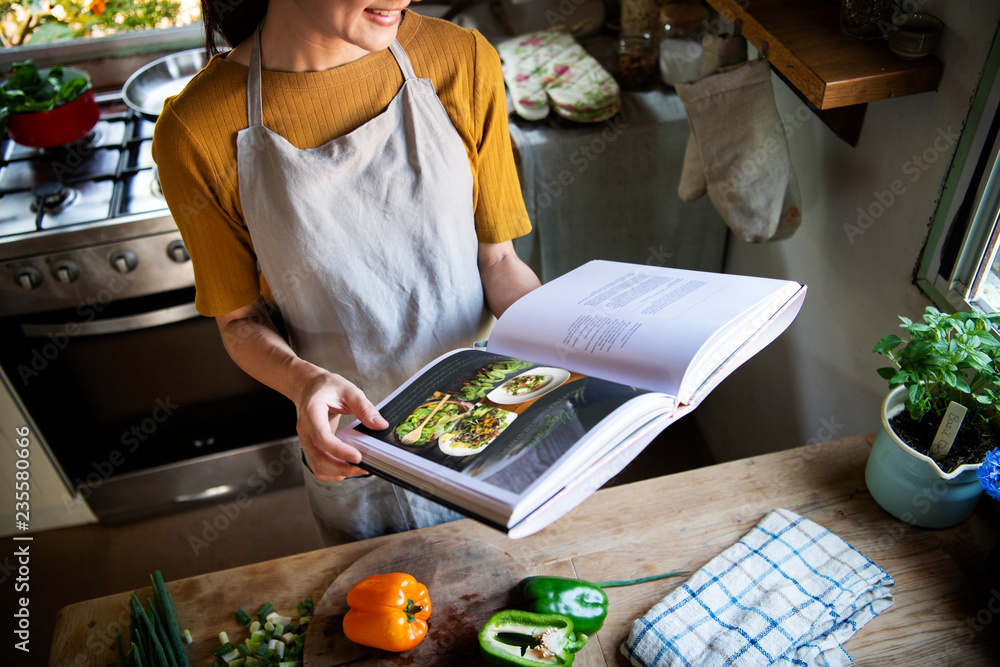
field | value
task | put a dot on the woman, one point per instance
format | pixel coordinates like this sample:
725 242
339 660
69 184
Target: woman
349 163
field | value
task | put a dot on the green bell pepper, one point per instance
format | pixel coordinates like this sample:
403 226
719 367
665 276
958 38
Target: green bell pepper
585 603
525 639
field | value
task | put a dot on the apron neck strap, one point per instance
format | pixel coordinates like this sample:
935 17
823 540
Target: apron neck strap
255 106
402 60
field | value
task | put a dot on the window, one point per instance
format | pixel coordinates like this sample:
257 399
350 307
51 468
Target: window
960 268
68 31
37 22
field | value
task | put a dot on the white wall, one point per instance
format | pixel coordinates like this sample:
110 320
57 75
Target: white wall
818 382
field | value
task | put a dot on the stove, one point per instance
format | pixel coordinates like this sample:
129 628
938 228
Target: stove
130 390
78 218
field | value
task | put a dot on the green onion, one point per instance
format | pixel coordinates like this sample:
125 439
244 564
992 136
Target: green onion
136 656
273 640
161 635
119 653
264 611
222 650
230 656
165 606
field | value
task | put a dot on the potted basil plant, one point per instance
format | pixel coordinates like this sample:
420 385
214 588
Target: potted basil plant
48 107
939 420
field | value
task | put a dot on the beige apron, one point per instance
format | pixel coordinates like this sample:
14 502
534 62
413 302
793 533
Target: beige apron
368 244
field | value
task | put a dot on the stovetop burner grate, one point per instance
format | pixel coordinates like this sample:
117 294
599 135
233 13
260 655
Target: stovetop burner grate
107 174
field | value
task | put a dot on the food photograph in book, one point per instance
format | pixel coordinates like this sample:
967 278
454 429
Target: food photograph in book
503 421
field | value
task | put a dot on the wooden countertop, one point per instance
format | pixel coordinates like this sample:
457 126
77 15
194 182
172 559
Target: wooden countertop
946 609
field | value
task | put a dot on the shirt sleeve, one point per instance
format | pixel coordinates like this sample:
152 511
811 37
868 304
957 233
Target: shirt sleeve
225 266
500 211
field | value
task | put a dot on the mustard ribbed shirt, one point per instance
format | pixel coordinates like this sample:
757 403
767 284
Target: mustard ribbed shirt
194 143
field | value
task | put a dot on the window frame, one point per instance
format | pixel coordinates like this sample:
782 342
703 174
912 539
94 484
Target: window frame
952 270
121 45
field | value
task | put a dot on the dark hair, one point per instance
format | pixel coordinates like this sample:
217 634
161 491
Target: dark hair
231 20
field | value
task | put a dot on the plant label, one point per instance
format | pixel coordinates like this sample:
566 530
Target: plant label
945 436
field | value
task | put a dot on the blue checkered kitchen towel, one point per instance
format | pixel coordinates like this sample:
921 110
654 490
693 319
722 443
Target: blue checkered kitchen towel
789 593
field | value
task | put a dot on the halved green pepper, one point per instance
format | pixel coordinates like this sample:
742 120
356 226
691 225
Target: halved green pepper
585 603
525 639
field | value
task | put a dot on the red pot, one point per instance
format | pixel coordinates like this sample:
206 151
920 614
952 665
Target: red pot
62 125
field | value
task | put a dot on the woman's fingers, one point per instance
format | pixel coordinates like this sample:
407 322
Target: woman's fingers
324 400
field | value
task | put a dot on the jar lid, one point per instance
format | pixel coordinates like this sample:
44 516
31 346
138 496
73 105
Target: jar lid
685 15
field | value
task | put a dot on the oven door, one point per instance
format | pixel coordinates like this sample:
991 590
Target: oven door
144 410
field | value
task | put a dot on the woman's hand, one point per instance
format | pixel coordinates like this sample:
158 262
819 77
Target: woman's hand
323 400
321 397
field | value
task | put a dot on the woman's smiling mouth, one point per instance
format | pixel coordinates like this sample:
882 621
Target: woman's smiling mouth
383 17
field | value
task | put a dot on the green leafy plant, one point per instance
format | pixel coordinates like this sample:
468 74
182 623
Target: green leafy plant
948 357
26 91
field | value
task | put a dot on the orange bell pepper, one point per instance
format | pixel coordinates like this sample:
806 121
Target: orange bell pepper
387 611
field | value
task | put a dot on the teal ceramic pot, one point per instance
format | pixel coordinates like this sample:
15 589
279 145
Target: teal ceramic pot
911 486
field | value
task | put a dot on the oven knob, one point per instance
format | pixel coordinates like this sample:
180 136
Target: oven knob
28 277
124 261
177 252
66 272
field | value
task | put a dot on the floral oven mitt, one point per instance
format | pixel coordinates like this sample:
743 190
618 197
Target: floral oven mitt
549 70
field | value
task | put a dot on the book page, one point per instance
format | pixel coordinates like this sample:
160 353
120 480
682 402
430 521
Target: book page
632 324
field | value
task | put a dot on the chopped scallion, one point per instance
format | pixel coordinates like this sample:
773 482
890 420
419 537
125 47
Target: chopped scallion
264 611
223 650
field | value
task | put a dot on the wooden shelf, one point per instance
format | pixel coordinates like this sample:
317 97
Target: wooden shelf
829 69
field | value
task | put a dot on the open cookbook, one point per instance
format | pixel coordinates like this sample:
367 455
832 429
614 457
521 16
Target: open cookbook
577 377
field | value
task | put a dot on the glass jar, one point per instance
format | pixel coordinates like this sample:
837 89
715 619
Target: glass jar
636 61
866 19
639 17
683 26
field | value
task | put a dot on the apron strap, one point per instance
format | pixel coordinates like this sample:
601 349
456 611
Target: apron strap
402 60
255 105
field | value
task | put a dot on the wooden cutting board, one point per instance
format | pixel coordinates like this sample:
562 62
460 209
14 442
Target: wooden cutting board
468 581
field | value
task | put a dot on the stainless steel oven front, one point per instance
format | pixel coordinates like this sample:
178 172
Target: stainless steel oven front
143 409
130 388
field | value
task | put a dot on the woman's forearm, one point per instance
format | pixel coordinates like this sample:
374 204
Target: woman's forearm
505 277
255 345
320 397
